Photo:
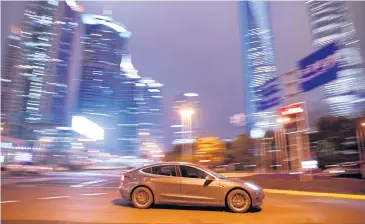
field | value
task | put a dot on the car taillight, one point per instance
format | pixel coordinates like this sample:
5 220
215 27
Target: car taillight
123 178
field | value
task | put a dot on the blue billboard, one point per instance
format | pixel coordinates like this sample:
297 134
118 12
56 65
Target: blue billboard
267 95
318 68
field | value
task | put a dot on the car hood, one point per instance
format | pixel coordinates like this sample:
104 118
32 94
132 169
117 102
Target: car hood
233 180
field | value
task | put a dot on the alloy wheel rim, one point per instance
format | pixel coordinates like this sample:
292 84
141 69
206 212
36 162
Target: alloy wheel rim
142 197
238 201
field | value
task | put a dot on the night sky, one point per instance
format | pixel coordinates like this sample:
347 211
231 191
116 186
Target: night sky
195 47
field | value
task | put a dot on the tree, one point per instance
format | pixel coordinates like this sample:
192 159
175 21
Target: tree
336 130
241 148
209 150
174 154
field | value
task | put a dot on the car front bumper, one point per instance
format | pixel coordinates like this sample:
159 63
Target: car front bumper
258 199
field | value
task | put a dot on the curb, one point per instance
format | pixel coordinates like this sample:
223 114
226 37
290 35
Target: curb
316 194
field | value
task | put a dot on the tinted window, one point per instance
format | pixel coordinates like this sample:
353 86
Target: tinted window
191 172
147 170
165 170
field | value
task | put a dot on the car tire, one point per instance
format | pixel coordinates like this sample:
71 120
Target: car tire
142 198
238 201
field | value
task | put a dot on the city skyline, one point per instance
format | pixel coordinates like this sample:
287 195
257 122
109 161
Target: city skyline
233 99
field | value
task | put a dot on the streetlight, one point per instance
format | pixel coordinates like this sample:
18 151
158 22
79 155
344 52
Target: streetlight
186 115
186 112
360 136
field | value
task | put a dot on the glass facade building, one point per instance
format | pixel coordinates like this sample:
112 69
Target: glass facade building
258 60
107 85
40 84
330 23
9 70
150 117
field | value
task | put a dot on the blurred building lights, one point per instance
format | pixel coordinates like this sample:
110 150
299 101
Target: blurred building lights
64 128
310 164
154 90
158 156
191 94
45 140
155 85
143 133
283 120
204 161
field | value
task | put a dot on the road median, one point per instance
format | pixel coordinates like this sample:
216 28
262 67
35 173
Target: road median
316 194
346 188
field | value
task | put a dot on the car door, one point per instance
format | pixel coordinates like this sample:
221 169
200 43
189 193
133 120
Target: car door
196 189
165 183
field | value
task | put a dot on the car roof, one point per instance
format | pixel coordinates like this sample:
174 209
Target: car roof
168 163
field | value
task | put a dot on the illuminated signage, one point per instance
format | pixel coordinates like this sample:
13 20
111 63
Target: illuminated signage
85 127
291 109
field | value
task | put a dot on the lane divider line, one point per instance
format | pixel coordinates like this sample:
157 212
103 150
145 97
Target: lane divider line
92 194
4 202
55 197
316 194
88 183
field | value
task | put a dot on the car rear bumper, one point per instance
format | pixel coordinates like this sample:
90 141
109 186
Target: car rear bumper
124 192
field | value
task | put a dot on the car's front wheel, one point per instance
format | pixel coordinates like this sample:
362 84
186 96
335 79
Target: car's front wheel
142 198
238 201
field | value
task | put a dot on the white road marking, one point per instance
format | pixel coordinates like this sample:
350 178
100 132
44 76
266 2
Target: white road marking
91 194
88 183
25 180
3 202
56 197
102 187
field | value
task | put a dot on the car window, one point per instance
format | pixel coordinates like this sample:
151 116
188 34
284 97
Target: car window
147 170
191 172
164 170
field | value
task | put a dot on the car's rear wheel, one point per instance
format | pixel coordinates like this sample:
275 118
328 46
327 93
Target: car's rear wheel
142 198
238 201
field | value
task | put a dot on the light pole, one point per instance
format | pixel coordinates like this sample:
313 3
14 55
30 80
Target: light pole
186 128
360 136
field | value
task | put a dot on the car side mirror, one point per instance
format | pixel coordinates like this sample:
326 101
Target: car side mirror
209 178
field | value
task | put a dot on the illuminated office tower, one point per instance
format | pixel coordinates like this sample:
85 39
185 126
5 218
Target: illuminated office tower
150 117
185 118
40 85
257 57
107 83
330 23
9 70
128 140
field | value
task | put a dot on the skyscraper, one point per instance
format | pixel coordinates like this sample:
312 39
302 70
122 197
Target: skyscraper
257 57
40 83
150 117
9 70
128 140
106 93
185 118
330 23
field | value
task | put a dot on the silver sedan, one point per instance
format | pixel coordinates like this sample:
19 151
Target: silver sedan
187 184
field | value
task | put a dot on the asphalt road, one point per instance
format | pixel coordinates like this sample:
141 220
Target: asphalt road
93 198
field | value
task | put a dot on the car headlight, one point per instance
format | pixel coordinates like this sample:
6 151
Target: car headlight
252 186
